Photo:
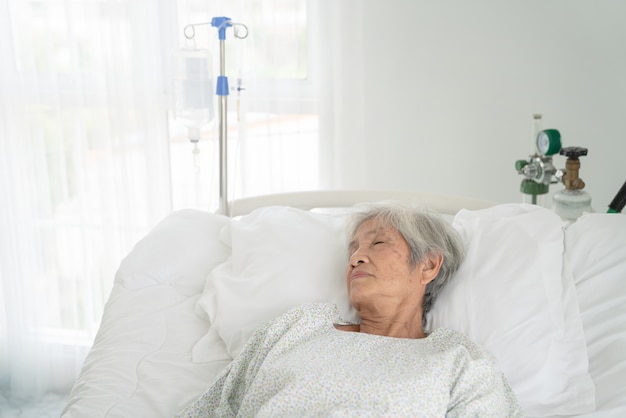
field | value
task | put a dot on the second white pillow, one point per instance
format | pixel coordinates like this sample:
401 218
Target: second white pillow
281 257
511 296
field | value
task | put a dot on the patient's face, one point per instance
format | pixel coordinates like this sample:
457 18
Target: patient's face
379 274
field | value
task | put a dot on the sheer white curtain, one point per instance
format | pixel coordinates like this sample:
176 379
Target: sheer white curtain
90 157
83 171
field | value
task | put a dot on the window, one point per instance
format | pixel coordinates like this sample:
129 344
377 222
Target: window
272 122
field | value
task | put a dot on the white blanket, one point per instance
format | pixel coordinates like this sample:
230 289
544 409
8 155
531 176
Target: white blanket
300 365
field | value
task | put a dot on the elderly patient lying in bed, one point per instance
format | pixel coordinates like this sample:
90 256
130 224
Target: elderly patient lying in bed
310 362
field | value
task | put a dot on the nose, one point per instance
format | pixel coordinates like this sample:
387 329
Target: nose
358 257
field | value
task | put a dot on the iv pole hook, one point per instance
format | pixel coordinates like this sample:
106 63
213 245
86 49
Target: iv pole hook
240 31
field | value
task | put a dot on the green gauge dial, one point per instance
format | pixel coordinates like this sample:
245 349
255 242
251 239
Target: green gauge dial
549 142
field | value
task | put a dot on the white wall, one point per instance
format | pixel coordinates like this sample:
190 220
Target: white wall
438 96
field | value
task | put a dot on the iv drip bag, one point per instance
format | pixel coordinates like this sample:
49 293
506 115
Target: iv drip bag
193 90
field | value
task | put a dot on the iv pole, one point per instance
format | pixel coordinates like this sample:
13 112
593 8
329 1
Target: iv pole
222 91
222 23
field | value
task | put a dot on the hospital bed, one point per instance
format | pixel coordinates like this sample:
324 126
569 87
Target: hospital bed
546 297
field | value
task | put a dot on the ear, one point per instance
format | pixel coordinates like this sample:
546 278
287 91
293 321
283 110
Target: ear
430 267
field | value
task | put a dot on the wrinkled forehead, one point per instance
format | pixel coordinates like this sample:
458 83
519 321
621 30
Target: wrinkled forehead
369 229
371 226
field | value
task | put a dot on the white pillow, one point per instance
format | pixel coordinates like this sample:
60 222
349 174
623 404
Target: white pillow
140 363
281 257
596 252
510 296
179 251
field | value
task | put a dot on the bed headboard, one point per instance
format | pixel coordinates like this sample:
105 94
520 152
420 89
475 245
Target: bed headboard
346 198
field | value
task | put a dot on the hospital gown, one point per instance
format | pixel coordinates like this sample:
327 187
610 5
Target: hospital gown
300 365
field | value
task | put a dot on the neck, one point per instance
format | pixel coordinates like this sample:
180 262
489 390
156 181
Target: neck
400 324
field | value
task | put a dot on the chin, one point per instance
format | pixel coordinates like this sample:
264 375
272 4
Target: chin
357 299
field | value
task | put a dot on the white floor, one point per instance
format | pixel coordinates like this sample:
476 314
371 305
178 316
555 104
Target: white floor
46 406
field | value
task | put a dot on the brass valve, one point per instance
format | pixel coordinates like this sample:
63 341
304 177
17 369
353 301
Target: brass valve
570 178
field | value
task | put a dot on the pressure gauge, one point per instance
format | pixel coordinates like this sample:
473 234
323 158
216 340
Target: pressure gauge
549 142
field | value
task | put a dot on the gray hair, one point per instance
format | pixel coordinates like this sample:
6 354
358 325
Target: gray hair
426 233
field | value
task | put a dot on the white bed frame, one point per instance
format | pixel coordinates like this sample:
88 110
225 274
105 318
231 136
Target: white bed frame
345 198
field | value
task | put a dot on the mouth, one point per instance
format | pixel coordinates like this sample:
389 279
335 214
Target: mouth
358 274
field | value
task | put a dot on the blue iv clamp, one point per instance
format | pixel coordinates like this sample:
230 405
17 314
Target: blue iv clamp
221 23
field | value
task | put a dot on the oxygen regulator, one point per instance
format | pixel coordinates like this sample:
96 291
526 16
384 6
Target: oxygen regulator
539 172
